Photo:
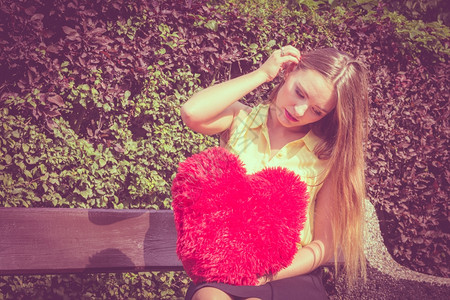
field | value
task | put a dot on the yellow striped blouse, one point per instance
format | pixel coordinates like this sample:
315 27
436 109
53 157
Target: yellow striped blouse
250 141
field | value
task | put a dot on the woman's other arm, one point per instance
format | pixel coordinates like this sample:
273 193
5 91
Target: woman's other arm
212 110
320 250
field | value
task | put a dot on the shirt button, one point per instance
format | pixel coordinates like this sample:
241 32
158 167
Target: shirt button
279 155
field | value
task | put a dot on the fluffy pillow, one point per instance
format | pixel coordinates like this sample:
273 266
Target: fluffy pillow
233 227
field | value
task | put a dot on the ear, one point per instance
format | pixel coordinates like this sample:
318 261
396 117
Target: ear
289 69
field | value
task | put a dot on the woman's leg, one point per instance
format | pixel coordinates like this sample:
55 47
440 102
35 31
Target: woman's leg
210 293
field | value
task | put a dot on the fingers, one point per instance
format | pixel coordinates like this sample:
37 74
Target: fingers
290 57
261 281
264 279
290 51
285 58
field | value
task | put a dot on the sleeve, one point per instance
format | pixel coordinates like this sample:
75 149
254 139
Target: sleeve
238 120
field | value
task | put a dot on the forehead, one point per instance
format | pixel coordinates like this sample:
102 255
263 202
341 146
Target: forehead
317 88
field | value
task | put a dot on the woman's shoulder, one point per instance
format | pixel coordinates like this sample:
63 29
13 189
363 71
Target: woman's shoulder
241 113
239 107
250 116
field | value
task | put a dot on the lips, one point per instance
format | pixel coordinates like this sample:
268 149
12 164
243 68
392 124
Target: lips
289 116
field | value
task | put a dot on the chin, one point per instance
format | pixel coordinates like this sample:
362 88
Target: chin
299 126
296 127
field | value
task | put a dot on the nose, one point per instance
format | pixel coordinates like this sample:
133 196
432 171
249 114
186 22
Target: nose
300 108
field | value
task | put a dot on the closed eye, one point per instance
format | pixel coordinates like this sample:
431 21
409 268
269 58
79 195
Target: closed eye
317 112
299 93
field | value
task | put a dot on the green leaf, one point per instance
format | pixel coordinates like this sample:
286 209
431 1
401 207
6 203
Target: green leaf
83 102
126 95
161 51
31 160
84 87
17 191
28 173
86 194
212 24
53 180
21 165
16 134
8 159
102 162
25 147
106 107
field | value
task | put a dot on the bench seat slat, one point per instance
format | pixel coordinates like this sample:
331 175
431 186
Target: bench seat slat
63 240
73 240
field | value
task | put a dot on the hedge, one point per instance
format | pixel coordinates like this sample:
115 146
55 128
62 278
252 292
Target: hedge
89 112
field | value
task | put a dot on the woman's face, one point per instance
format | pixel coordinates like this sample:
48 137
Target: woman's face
304 98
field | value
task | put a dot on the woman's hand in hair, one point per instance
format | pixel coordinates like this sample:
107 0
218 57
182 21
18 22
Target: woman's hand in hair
280 59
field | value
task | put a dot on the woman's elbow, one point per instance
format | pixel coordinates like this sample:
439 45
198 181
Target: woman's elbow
188 115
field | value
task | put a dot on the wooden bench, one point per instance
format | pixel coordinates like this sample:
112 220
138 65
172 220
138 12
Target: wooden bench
65 240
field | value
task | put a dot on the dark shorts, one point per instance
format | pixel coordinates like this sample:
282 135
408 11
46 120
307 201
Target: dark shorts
307 286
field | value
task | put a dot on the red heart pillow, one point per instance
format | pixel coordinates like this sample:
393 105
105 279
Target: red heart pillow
233 227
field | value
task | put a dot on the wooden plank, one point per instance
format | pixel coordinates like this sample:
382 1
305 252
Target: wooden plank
64 240
67 240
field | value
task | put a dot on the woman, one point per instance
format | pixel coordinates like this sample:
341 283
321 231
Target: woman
314 125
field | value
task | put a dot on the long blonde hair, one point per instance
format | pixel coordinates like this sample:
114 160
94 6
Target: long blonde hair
343 132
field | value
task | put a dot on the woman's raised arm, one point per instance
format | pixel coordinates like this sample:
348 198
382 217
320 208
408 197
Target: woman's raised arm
212 110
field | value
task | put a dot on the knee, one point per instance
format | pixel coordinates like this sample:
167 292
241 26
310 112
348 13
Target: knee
210 293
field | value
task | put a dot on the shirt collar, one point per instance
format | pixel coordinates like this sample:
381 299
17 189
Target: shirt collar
260 116
311 140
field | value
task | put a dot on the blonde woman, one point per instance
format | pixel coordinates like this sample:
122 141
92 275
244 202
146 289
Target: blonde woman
314 125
